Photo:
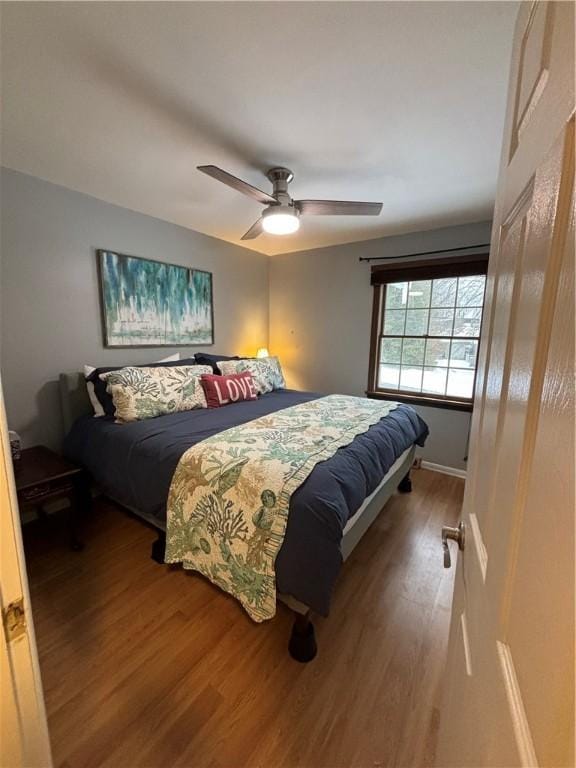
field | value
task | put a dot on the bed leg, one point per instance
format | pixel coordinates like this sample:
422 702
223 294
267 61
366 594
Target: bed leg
159 548
405 485
302 645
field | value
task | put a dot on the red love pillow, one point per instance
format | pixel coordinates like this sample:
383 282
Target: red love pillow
222 390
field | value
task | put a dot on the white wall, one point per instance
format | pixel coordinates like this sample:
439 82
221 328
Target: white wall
320 313
50 314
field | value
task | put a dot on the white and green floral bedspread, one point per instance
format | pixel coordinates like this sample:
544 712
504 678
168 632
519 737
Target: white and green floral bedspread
229 498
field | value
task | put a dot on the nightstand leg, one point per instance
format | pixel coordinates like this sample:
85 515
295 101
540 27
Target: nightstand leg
80 504
76 543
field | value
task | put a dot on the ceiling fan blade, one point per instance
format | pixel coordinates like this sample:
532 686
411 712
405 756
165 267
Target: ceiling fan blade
237 184
254 231
337 208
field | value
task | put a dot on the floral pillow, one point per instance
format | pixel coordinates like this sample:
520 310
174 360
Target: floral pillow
143 393
266 372
99 398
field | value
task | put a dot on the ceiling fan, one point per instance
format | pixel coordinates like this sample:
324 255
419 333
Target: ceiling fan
281 215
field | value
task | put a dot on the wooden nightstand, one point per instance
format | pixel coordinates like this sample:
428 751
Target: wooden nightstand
42 475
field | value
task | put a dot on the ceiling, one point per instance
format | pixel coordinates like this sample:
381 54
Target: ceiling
395 102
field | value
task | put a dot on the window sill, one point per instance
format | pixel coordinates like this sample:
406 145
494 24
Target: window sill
451 405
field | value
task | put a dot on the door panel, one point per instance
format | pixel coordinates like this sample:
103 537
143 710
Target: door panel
508 284
534 66
542 608
510 674
519 403
24 741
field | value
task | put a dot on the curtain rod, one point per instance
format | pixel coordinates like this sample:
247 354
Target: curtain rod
424 253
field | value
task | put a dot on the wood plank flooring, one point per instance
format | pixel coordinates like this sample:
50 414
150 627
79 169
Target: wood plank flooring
146 666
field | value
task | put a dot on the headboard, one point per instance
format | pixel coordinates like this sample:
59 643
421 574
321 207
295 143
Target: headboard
74 398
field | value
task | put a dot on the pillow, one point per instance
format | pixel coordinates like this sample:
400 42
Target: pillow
204 358
96 404
266 371
89 369
142 393
221 390
103 396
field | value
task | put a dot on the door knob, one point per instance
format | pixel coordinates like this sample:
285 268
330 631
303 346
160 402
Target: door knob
456 534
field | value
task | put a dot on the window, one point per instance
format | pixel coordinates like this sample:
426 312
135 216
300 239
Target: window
426 332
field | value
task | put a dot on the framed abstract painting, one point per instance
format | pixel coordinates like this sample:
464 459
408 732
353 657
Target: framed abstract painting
149 303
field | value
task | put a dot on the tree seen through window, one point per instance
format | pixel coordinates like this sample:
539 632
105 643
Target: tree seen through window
429 336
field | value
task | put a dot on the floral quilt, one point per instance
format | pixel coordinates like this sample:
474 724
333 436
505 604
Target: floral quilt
230 494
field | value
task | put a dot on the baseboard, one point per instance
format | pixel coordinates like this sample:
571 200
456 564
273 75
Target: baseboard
443 470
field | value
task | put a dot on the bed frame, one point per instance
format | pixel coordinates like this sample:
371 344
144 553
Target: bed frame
302 645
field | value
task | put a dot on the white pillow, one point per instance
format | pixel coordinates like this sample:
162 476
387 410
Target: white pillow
98 410
88 369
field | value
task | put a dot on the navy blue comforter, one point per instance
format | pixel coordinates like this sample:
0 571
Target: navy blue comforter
134 463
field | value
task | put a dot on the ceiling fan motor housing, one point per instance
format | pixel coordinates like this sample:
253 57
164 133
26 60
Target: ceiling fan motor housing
280 178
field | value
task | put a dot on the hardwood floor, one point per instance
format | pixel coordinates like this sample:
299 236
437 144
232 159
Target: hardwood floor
148 666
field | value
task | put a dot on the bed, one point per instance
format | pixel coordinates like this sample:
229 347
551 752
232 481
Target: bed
134 463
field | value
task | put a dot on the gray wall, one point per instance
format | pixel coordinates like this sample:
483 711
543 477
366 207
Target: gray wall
317 304
50 315
320 312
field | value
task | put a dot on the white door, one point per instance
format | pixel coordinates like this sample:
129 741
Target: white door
509 696
24 739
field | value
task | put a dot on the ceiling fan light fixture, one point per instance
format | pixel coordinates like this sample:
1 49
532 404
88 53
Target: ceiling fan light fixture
280 220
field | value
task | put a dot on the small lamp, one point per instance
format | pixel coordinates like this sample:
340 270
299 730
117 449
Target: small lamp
262 352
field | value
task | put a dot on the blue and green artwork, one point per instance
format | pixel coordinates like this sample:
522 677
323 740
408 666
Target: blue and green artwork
151 304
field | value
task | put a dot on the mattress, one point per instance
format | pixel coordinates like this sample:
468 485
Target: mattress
134 463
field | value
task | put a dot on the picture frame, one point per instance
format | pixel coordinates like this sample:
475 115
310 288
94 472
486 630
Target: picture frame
147 303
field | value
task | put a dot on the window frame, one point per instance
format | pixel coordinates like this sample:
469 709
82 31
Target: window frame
421 269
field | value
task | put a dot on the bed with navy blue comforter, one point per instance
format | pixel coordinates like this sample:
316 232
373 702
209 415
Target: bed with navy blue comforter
134 463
